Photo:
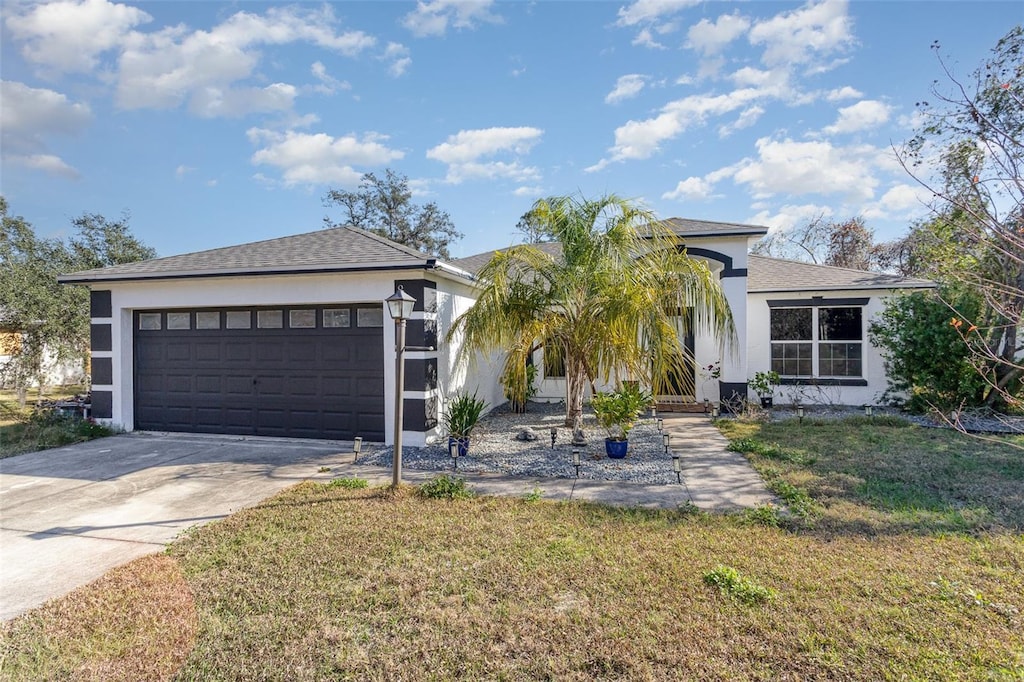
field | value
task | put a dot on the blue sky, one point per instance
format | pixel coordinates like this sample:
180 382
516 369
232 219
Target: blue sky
217 123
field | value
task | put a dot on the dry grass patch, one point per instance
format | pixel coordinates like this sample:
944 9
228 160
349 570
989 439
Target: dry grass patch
328 583
137 622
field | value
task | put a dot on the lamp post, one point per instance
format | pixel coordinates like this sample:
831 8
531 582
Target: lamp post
400 305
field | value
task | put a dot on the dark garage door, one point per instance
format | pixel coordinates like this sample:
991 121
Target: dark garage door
301 372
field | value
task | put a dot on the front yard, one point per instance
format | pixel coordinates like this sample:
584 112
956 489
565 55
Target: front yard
907 563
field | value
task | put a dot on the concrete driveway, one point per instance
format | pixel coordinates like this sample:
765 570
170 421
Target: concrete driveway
70 514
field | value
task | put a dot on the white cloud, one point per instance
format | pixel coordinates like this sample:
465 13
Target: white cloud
691 189
789 216
643 11
69 36
432 17
860 116
181 171
529 191
747 118
901 200
845 92
398 55
311 159
163 69
626 87
799 168
646 39
28 116
464 151
802 35
641 139
328 83
710 37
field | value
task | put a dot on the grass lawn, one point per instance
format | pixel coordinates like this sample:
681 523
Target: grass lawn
906 561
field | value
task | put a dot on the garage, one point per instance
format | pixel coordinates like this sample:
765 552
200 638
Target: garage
304 371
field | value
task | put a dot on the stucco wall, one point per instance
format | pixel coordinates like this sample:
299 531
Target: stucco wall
759 349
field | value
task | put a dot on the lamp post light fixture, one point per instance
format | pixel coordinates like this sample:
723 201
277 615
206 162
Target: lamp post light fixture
666 438
800 413
357 446
654 411
714 412
868 410
677 467
661 424
576 460
453 451
400 305
554 435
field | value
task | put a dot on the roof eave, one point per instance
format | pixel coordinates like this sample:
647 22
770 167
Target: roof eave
835 287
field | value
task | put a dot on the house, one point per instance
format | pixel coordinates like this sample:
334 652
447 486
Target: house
290 336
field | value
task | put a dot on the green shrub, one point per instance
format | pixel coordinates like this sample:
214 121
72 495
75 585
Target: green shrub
462 414
444 487
618 411
771 451
734 586
767 515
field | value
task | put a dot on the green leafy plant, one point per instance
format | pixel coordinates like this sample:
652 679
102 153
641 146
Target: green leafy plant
348 483
764 383
618 411
534 495
462 415
444 487
734 586
520 386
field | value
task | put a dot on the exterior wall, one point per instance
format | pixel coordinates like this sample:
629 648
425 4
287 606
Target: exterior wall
759 349
457 373
112 339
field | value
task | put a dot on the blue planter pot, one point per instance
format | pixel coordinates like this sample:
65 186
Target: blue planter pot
463 445
616 449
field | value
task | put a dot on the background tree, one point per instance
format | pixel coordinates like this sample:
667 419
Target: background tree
608 302
972 142
847 244
384 206
531 228
52 320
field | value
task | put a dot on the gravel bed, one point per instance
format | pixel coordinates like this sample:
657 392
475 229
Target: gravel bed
494 448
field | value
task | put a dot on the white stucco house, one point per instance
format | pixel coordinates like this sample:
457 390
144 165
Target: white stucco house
291 337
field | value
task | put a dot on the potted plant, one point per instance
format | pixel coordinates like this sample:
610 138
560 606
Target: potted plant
764 384
460 418
617 413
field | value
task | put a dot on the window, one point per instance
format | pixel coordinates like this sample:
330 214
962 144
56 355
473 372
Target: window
302 319
370 317
269 319
337 317
149 321
179 320
239 319
554 361
817 342
207 320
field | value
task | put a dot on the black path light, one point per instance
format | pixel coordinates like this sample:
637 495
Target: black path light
800 413
357 446
554 435
868 411
677 467
666 439
400 305
715 412
576 460
453 451
661 424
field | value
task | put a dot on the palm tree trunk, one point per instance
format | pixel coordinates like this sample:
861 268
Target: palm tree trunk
575 390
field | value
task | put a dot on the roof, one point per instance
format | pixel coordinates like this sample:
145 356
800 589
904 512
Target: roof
766 274
688 227
473 264
335 249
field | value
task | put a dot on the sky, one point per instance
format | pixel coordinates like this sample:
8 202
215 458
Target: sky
220 123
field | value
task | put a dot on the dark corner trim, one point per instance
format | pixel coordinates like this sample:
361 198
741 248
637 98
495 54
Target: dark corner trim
99 303
727 269
103 404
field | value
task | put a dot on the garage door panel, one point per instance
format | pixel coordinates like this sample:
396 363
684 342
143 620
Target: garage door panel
297 382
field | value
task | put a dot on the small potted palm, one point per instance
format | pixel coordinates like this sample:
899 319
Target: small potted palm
460 418
617 413
764 384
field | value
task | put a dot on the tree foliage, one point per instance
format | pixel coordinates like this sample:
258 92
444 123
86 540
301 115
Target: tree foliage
606 293
847 244
926 360
51 319
384 206
968 154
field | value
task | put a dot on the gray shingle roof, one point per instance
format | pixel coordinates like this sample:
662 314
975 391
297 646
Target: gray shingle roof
776 274
473 264
330 250
688 227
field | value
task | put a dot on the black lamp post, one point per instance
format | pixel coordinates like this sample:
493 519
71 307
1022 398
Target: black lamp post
400 305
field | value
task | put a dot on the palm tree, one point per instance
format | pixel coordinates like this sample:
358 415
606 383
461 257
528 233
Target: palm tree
607 292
